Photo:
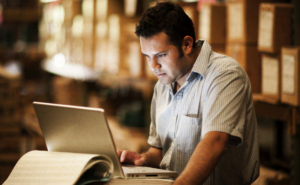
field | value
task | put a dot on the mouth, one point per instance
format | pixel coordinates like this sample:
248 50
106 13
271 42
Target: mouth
161 74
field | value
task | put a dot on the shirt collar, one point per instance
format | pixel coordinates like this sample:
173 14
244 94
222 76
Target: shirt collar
201 63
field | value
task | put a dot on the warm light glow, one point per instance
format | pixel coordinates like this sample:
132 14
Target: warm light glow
47 1
130 7
114 28
189 1
101 9
101 30
50 47
77 26
59 60
58 14
88 8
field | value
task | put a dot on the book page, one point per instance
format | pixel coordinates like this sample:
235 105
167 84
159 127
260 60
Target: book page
265 29
205 23
288 74
43 167
270 75
235 19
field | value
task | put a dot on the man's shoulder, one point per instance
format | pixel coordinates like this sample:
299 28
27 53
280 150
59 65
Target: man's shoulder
222 64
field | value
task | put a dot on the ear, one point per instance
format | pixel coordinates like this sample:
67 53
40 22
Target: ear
187 44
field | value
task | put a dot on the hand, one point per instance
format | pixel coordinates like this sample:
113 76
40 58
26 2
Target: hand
130 157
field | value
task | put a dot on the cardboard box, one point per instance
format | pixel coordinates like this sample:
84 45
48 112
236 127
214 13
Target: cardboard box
242 21
250 59
105 8
271 76
213 23
274 27
290 90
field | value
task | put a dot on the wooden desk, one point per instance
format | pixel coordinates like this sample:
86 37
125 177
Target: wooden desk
137 182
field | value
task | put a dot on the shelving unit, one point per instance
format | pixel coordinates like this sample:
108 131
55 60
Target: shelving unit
283 114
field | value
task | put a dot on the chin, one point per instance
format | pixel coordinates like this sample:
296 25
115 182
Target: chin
166 82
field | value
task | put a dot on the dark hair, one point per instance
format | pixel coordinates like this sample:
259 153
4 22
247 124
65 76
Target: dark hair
169 18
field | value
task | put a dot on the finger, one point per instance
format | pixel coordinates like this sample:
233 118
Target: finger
123 155
119 152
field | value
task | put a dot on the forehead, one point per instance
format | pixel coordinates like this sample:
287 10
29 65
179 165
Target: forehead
157 43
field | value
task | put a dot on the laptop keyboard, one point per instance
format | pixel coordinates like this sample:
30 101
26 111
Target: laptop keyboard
130 170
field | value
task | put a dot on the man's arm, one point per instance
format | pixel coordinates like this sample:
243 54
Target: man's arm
205 158
151 158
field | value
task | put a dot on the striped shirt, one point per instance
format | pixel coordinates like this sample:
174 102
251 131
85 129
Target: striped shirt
216 96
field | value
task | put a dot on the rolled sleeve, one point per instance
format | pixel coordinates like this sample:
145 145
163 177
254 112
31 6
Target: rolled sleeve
225 107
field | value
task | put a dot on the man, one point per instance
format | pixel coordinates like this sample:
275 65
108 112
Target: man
203 123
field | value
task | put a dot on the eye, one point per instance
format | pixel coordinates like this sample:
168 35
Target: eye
161 55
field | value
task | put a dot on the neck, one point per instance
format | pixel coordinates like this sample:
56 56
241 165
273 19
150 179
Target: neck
190 61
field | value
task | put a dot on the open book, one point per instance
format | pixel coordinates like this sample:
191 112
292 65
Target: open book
43 167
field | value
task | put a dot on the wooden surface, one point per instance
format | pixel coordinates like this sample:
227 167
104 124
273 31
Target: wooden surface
278 111
136 182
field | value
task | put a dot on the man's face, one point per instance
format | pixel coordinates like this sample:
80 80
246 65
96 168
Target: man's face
163 58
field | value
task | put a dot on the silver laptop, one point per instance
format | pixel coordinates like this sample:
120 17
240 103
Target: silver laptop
85 130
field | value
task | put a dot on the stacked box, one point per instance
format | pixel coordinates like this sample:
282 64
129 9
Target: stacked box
100 46
88 32
241 36
290 91
113 45
273 33
249 59
77 41
242 21
132 59
107 35
212 26
274 27
271 67
71 9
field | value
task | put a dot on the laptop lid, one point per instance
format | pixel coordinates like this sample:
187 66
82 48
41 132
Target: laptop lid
77 129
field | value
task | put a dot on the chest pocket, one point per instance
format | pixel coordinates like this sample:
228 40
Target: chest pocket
188 134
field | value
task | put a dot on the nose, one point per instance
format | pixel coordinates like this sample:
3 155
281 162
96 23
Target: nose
154 64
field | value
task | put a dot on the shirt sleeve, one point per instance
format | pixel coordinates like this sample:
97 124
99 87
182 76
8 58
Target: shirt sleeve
154 139
224 109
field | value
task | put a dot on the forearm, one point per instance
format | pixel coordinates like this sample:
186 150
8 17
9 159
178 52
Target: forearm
152 157
204 159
